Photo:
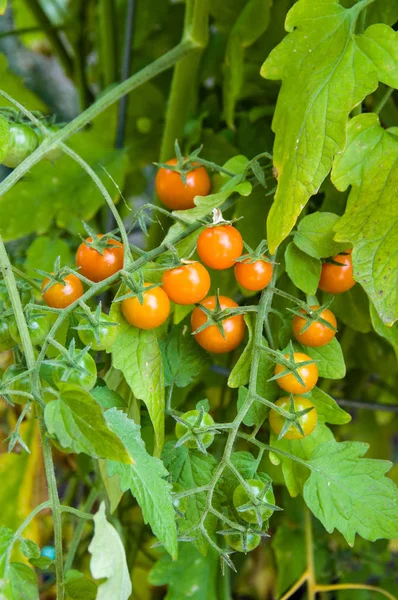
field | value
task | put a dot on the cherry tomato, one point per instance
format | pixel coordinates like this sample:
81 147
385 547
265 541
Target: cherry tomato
22 384
253 276
22 142
211 338
191 417
219 246
336 279
38 329
180 504
84 374
241 497
6 341
309 374
187 284
243 542
96 266
152 313
61 296
317 333
105 337
174 193
307 421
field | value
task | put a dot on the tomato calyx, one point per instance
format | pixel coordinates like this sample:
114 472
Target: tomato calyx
311 315
57 275
184 165
253 256
100 242
69 360
257 503
95 323
136 286
244 540
217 315
291 367
292 417
196 430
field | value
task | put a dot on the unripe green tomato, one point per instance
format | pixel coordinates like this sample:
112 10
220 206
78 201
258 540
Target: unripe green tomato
6 341
85 379
241 497
107 335
22 142
235 541
22 384
38 329
191 417
180 504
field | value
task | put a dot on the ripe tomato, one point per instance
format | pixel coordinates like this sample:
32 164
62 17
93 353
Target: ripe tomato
106 334
308 373
22 384
241 497
219 246
38 329
96 266
61 296
83 375
191 417
210 338
22 142
187 284
253 276
152 313
6 341
336 279
174 193
317 333
243 542
307 421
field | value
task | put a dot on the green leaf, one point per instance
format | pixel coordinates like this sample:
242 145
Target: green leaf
352 309
145 479
191 468
239 375
191 576
184 359
248 27
42 253
108 398
389 333
112 486
78 587
144 374
108 560
325 74
77 421
303 270
330 359
294 473
315 233
380 43
29 549
350 493
6 536
4 132
23 582
328 408
370 223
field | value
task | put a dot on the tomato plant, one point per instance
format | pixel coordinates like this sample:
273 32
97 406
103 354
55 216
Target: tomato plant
198 299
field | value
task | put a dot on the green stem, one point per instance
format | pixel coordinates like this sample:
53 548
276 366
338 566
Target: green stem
79 530
48 459
383 101
52 34
108 53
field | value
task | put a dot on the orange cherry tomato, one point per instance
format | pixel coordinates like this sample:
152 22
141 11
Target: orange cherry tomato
308 373
174 193
149 315
96 266
210 338
219 246
317 333
61 296
187 284
307 421
336 279
253 276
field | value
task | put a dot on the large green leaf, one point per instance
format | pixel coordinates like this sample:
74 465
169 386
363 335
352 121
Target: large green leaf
191 576
370 165
315 234
23 582
184 359
137 354
77 421
389 333
146 479
329 359
108 560
350 493
326 70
